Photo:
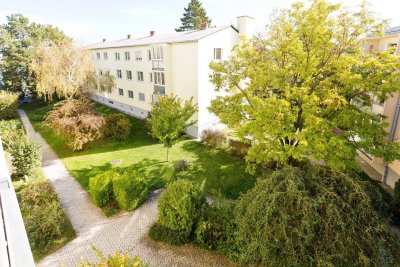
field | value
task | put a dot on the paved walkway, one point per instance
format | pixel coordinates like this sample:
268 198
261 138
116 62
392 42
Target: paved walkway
125 232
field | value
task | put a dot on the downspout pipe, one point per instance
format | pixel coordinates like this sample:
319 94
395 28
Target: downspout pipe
391 137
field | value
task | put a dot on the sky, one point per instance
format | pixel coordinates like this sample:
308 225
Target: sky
89 21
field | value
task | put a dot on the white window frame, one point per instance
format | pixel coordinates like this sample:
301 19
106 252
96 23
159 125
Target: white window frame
138 55
148 54
151 77
120 92
158 52
217 52
98 56
159 78
130 94
105 56
117 56
140 76
129 75
119 74
142 99
127 56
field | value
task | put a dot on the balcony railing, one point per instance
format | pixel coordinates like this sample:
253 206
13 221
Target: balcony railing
158 64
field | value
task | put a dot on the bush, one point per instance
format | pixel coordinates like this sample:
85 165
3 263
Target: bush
213 138
11 131
168 173
160 232
44 219
101 188
117 260
77 121
26 158
8 105
179 207
238 148
181 165
130 190
118 127
216 229
320 217
396 197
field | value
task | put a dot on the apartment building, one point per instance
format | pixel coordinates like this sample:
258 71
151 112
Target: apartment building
390 108
166 64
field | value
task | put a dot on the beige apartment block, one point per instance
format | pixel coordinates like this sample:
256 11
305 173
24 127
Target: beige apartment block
167 64
390 108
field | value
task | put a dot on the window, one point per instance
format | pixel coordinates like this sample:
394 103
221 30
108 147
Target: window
140 76
130 94
127 56
159 78
98 56
217 53
151 77
119 74
100 72
120 91
158 52
129 75
105 55
141 97
138 55
149 54
107 72
117 56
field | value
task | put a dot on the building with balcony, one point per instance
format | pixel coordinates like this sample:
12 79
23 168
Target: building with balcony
390 108
167 64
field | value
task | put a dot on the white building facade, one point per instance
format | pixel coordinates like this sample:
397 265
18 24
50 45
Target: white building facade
168 64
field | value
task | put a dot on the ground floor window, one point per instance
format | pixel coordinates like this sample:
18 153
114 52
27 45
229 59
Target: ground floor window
130 94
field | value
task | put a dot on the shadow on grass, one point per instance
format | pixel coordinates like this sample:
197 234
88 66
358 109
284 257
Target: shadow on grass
224 174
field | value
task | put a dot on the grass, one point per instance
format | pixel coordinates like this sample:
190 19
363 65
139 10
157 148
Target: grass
224 175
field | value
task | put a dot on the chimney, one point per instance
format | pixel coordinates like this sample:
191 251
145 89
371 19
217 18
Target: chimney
152 33
104 40
203 25
128 36
245 26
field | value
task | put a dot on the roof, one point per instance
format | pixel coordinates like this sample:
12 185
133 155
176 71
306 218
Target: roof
176 37
392 30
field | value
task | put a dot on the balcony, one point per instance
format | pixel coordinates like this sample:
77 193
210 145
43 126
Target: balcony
158 64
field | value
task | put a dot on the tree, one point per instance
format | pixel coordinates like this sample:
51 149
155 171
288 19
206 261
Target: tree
193 16
314 218
18 37
66 71
305 89
169 119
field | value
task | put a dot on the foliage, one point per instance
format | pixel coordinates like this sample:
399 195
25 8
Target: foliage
169 119
101 188
11 131
66 71
116 260
46 223
319 217
18 37
26 158
162 233
179 207
118 126
181 165
213 138
238 148
216 229
77 121
8 105
130 189
397 193
194 15
304 88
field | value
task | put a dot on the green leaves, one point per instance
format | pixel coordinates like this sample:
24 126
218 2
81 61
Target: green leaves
306 89
193 16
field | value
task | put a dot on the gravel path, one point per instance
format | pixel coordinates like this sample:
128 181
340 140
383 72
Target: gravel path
125 232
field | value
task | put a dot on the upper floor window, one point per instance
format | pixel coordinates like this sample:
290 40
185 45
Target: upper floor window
159 78
217 53
127 56
141 97
119 74
98 56
100 72
120 91
149 54
130 94
158 52
105 55
117 56
138 55
140 76
151 77
129 75
107 72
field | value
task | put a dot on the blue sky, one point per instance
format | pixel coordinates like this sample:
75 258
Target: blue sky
89 21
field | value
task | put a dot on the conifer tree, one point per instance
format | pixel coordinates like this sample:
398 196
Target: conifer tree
193 16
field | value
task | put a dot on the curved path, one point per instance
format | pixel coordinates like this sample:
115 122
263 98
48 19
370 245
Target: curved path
125 232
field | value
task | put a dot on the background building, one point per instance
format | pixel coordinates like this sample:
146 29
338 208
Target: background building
390 108
176 63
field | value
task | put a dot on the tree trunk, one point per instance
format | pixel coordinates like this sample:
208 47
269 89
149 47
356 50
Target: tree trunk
167 154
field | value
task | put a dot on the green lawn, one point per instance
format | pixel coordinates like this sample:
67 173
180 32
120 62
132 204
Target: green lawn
224 175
